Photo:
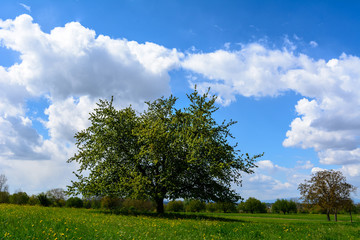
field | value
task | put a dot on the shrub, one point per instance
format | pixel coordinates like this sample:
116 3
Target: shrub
20 198
111 203
175 206
211 207
4 197
138 205
57 197
33 200
44 200
74 202
225 207
194 205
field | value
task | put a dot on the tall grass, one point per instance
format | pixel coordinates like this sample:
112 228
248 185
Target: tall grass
34 222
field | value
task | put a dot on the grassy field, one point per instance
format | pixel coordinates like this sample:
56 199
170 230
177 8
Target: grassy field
33 222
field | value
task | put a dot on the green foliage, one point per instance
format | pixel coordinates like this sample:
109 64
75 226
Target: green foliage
211 207
226 207
284 206
33 200
111 203
44 200
162 153
4 197
74 202
194 205
252 205
328 189
19 198
138 205
175 206
57 197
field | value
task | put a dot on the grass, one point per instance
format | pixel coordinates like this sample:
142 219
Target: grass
34 222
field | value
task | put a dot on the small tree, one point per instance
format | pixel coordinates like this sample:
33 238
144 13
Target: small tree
175 206
194 205
284 206
74 202
44 200
253 205
328 189
57 196
20 198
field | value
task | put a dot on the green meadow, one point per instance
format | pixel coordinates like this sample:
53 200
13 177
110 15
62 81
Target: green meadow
35 222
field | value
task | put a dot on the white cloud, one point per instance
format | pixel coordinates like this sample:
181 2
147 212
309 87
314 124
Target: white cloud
72 67
326 118
313 44
28 8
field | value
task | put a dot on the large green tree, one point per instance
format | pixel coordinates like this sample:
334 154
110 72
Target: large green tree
162 153
327 189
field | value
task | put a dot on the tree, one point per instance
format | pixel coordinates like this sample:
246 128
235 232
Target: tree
3 186
328 189
162 153
57 196
285 206
253 205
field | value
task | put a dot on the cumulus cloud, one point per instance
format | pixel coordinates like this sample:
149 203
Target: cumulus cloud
326 118
72 67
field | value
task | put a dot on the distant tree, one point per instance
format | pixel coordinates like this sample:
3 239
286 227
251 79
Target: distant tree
225 207
44 200
57 196
4 197
74 202
163 153
19 198
284 206
349 206
194 205
252 205
328 189
175 206
3 186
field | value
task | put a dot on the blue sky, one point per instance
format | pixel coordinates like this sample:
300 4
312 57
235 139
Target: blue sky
287 71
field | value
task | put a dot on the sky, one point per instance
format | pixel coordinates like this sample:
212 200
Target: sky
287 71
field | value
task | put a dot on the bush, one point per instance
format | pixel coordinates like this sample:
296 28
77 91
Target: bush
211 207
4 197
111 203
175 206
33 200
226 207
138 205
44 200
74 202
194 205
20 198
57 197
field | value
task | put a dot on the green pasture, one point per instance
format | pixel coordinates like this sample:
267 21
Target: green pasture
34 222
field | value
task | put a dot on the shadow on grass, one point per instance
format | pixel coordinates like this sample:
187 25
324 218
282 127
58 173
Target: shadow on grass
192 216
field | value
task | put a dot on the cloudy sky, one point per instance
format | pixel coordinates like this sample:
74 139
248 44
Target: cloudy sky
287 71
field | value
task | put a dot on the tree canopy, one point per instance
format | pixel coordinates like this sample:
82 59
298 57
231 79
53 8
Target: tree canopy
162 153
328 189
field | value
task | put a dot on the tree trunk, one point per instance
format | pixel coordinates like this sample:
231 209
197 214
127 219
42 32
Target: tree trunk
159 205
328 215
350 216
335 215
